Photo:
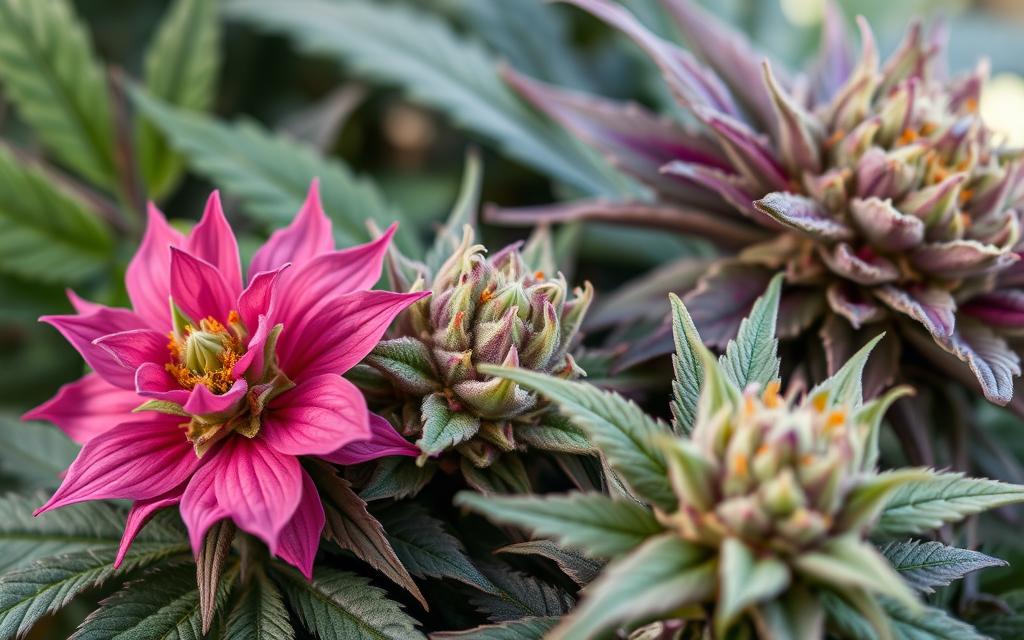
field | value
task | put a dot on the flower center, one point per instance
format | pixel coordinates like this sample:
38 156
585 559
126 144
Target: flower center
206 354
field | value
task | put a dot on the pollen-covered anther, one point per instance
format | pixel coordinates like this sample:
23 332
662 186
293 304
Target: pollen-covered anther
206 355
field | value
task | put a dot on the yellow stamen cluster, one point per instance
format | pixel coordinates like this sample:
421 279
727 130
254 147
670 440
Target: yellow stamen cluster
217 380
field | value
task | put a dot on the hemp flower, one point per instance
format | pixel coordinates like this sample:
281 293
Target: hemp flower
875 187
207 393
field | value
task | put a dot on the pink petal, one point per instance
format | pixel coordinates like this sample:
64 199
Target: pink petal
318 416
308 288
139 514
203 402
199 506
253 358
384 441
87 407
148 278
152 381
135 347
259 487
198 288
80 331
341 334
81 305
137 461
307 236
300 538
213 240
258 297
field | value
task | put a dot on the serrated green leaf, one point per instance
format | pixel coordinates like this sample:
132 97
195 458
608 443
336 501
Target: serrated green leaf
338 605
442 427
554 432
270 174
259 613
592 522
420 54
845 387
95 526
581 569
47 233
745 580
518 595
180 68
616 426
752 357
945 498
926 565
688 372
35 453
664 574
522 629
1004 624
426 549
397 478
164 605
352 527
408 363
47 585
49 71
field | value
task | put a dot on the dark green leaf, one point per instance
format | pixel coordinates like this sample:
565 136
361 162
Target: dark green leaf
28 594
50 73
338 605
164 605
426 549
95 526
419 53
578 567
47 233
352 527
33 452
181 69
260 613
518 595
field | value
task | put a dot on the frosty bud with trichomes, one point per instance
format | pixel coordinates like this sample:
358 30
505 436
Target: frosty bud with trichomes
512 308
754 512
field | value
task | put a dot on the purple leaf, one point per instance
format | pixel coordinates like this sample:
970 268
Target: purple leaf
884 226
847 301
988 355
634 139
934 308
805 215
863 267
799 135
961 258
723 298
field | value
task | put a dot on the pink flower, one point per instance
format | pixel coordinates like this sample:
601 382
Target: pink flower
206 394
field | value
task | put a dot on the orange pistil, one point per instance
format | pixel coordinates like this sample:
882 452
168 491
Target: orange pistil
538 275
486 295
908 136
834 419
770 396
835 138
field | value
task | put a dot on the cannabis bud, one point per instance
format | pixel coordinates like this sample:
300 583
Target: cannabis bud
874 185
753 514
495 310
